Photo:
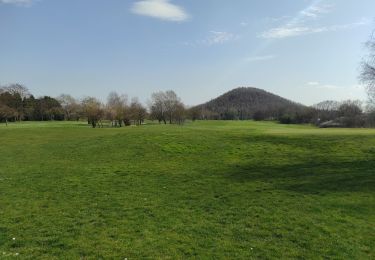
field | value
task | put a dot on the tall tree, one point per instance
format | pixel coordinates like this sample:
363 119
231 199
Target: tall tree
165 105
7 112
49 109
157 106
70 106
137 111
93 110
19 89
13 101
171 102
367 75
117 108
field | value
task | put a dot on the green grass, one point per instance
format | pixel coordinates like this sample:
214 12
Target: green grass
227 190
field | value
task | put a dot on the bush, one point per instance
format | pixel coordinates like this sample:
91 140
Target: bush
286 119
259 116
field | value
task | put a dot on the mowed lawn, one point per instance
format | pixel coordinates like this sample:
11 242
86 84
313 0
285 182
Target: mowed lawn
227 190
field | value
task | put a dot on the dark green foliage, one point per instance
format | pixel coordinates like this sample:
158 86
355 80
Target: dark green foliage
286 119
29 108
259 116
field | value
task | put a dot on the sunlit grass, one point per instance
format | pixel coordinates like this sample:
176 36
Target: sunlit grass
210 189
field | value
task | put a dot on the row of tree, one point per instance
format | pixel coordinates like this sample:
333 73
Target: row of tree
18 104
348 113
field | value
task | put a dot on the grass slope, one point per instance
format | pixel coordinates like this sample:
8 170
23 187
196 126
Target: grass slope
206 189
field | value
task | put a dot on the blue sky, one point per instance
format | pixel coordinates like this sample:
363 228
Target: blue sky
307 51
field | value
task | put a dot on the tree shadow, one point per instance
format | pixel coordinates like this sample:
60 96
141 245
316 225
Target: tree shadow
310 178
316 171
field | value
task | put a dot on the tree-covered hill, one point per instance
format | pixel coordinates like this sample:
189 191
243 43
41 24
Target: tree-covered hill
247 103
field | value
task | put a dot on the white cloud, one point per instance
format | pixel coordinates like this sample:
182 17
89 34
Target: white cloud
299 25
260 58
350 88
283 32
315 10
17 2
214 38
313 83
217 37
290 31
161 9
318 85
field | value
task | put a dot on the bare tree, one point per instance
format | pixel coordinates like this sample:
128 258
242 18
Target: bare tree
137 111
117 108
350 112
171 102
93 109
19 89
167 106
179 114
326 110
367 75
70 106
6 112
157 107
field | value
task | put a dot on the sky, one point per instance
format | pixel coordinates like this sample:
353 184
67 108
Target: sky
307 51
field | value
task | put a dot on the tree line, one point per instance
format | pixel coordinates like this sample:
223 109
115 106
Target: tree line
18 104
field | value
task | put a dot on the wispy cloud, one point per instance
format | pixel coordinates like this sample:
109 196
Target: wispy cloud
316 84
287 31
160 9
260 58
315 10
17 2
214 38
299 25
219 37
313 83
319 85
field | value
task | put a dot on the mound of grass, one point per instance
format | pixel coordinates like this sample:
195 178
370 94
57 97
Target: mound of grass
208 189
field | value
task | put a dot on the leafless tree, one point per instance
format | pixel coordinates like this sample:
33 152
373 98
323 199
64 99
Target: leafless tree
93 109
70 106
117 108
172 101
19 89
326 110
166 106
137 111
6 112
367 75
179 114
157 106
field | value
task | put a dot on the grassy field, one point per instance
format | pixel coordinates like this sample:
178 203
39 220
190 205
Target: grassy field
204 190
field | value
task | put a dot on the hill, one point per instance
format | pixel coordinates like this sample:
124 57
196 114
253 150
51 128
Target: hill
247 103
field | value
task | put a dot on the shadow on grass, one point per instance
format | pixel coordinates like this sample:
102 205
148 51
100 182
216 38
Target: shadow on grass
310 178
315 171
